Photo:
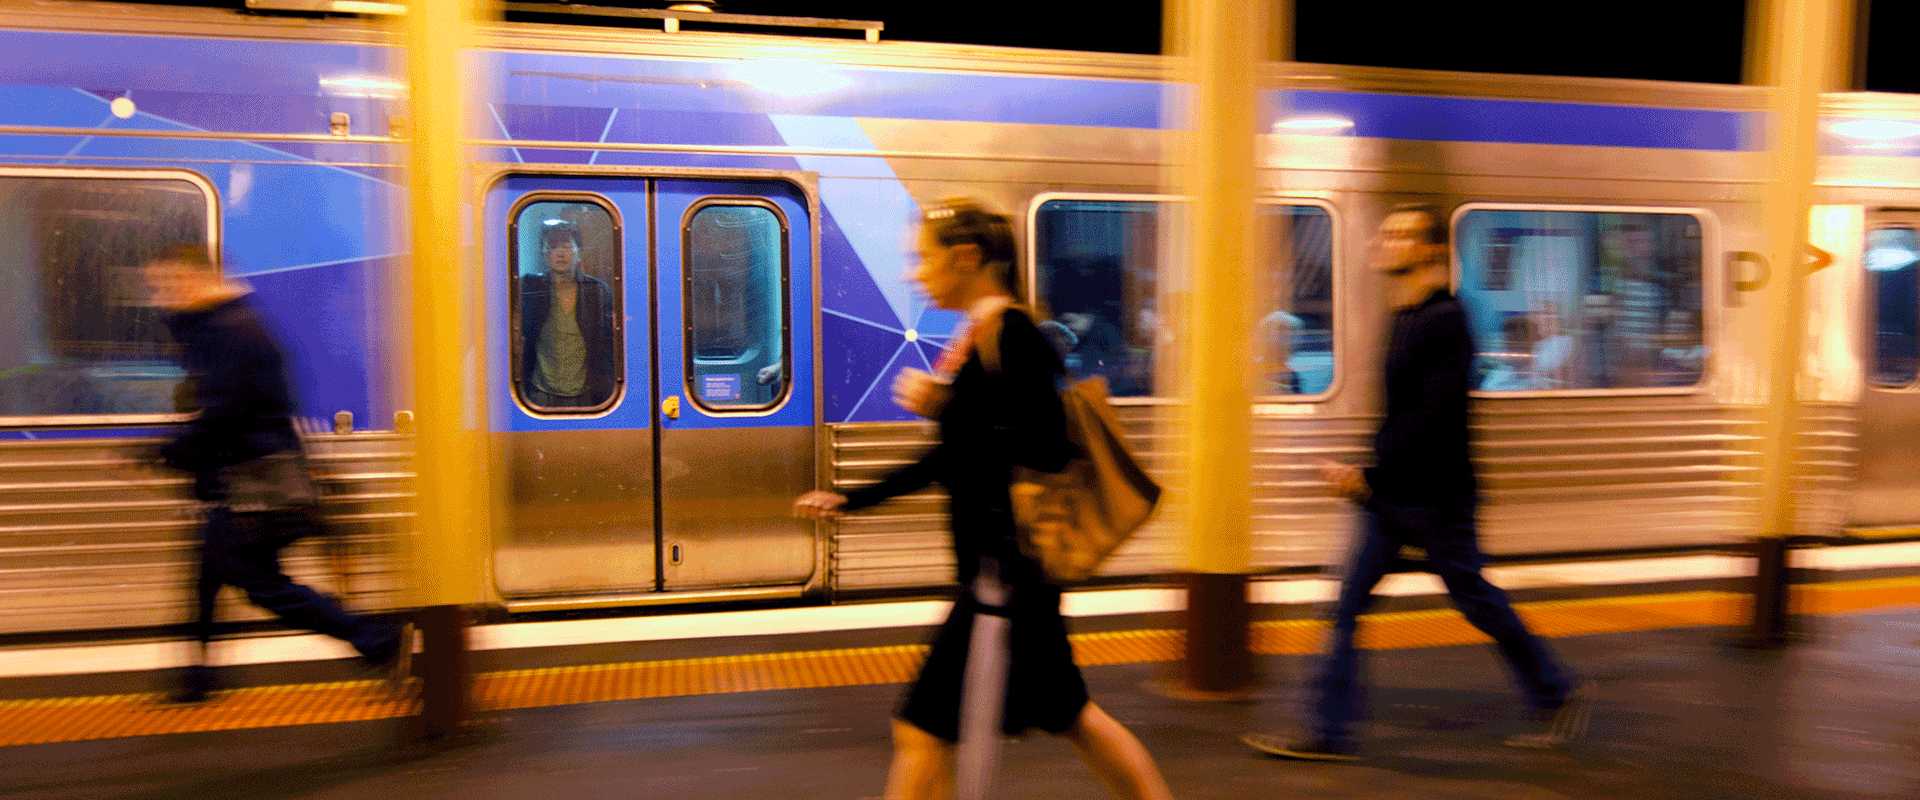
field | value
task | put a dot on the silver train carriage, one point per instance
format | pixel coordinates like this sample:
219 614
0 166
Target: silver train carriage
738 200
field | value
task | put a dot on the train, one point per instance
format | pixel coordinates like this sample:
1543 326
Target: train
738 201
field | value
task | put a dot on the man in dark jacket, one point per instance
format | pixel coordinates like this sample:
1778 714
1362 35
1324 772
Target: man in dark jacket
245 459
569 351
1420 493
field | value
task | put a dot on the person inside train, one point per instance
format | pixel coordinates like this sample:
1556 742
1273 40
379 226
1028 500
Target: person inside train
1273 353
990 419
1421 493
1681 352
247 466
1634 309
568 346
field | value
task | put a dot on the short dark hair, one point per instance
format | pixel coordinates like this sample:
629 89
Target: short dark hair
1436 227
555 228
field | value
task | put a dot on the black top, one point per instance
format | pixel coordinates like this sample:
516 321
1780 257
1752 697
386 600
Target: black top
593 308
1420 451
993 422
238 384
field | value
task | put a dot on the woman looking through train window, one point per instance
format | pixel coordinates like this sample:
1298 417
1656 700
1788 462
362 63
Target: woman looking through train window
990 420
566 327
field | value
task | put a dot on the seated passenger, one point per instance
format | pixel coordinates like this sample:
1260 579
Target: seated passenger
568 344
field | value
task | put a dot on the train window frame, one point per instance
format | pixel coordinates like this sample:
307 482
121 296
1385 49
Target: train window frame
1336 321
210 195
1030 247
1175 277
616 287
785 304
1711 294
1870 292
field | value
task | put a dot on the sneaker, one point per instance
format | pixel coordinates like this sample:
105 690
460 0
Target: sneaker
1305 750
1568 723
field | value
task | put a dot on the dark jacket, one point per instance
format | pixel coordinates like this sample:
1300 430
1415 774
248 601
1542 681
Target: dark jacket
594 307
992 422
238 383
1420 452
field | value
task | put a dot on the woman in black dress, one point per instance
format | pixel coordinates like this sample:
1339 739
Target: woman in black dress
990 421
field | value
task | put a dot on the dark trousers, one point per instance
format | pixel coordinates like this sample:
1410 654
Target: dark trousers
243 551
1447 536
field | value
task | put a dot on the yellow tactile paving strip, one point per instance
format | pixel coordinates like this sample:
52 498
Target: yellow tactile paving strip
81 718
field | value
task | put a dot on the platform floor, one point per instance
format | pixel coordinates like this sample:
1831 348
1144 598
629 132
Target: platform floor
1682 714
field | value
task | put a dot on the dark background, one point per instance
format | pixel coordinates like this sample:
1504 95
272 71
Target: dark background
1675 40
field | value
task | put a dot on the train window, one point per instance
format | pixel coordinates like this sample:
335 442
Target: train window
567 354
84 337
735 285
1294 349
1895 279
1095 267
1581 300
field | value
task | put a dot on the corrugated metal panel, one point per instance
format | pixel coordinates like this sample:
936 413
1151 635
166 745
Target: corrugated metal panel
1556 476
95 534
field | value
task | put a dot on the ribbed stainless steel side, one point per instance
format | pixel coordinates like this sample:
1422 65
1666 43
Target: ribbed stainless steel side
95 534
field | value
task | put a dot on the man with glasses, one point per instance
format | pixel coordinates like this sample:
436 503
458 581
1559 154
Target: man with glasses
1420 493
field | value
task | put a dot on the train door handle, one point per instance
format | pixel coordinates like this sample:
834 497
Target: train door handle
673 555
671 406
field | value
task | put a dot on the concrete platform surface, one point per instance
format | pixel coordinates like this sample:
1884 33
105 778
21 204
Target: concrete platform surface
1681 714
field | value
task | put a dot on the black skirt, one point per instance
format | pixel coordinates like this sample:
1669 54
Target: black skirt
1045 689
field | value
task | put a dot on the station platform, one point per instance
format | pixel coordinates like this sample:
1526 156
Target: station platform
794 703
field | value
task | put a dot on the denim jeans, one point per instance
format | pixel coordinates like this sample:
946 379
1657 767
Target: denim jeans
1447 536
243 551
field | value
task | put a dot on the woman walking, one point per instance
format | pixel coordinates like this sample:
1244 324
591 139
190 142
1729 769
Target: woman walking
995 399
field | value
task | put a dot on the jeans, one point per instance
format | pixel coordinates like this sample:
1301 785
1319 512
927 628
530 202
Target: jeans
243 551
1447 536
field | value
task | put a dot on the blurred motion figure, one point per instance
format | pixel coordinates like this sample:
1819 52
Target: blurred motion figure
1420 493
247 466
991 419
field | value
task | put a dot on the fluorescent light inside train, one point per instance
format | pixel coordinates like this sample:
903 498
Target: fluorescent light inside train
1876 130
789 78
1888 259
1323 125
363 86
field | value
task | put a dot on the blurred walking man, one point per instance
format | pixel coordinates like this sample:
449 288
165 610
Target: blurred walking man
1421 493
246 463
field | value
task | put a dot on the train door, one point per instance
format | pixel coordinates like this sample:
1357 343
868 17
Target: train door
655 434
1889 475
734 366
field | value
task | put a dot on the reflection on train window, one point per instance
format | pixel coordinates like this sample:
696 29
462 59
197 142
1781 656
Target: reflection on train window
568 357
1890 261
1293 352
83 336
1095 267
1582 299
736 314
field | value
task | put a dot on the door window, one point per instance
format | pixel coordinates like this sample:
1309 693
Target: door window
567 354
736 287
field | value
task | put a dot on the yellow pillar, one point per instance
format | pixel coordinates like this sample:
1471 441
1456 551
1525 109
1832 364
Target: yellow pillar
447 556
1796 48
1219 49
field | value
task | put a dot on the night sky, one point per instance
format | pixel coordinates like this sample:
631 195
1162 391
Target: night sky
1678 40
